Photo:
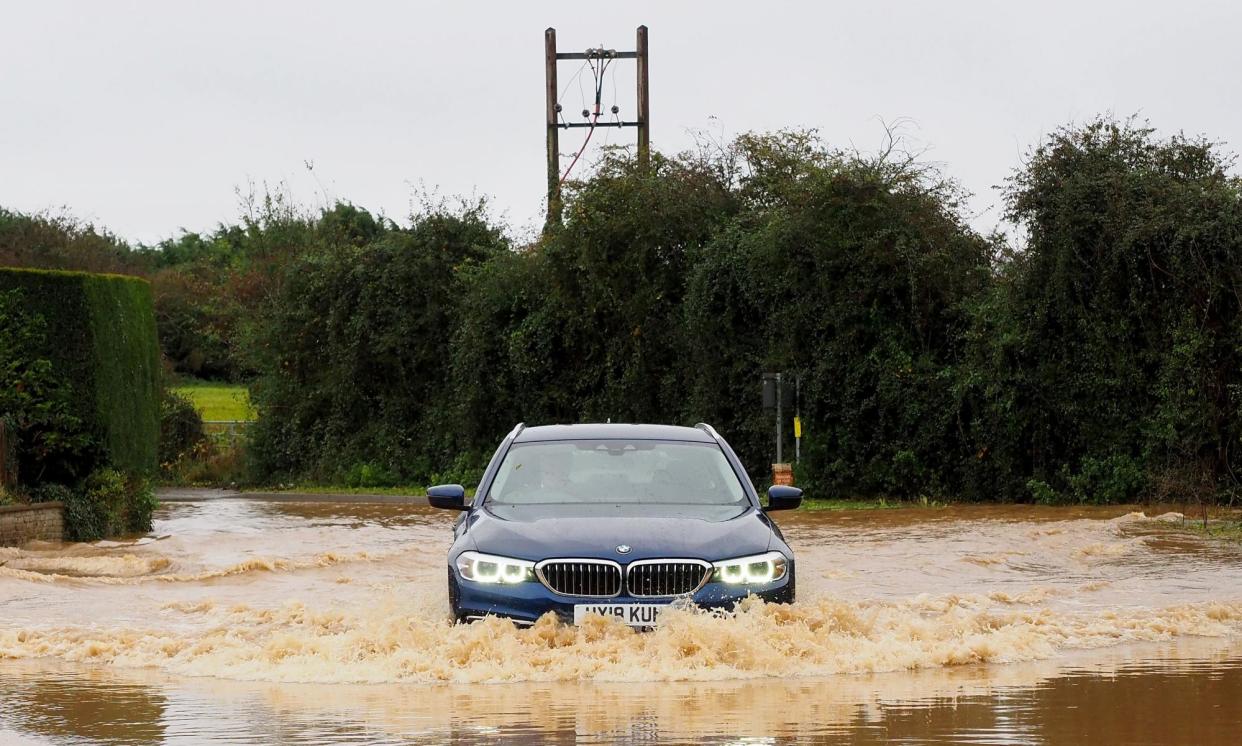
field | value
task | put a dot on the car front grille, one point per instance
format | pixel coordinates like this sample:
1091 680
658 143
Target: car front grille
596 578
663 578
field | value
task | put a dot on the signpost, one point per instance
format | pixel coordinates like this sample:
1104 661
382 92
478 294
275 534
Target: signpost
772 401
775 395
798 419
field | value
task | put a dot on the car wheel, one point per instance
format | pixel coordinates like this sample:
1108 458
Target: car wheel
454 597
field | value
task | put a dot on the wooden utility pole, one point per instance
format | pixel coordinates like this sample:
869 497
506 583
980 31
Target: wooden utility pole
555 122
554 153
644 105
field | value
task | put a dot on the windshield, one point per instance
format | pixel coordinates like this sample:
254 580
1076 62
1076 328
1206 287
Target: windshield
616 471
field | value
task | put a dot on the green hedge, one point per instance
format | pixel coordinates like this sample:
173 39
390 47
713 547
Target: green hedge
98 333
1100 363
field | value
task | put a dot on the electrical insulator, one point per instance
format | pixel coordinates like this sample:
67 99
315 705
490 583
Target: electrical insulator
615 108
558 108
585 113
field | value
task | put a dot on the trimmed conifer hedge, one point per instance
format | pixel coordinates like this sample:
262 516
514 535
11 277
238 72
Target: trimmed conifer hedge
98 334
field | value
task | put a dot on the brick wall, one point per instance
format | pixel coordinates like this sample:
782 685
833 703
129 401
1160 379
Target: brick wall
22 523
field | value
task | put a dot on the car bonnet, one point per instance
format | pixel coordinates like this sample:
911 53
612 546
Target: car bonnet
544 531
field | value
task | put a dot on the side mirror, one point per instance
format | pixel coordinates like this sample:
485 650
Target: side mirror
447 496
782 497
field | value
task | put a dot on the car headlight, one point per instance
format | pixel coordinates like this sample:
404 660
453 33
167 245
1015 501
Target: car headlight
755 570
488 568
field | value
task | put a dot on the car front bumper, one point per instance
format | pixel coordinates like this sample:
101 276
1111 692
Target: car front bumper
526 602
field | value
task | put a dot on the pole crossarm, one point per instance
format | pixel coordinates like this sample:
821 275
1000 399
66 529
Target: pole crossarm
573 125
597 55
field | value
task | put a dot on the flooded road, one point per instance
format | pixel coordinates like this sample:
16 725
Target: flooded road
311 623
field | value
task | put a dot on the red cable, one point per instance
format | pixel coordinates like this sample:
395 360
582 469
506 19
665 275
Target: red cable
591 131
599 84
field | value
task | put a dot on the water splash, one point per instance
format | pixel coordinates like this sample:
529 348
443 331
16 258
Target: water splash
401 642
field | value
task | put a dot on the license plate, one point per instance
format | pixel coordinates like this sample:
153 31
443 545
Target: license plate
635 615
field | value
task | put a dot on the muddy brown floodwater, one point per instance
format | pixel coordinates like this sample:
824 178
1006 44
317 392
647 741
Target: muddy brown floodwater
255 622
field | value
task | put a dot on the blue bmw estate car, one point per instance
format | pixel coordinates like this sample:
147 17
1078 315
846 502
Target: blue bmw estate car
611 519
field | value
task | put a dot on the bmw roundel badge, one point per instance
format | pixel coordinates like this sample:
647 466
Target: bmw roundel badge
623 549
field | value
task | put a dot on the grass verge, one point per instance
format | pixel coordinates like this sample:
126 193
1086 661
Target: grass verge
1216 529
869 504
219 401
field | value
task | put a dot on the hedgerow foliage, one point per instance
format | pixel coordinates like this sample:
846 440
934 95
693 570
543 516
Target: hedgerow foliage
46 433
1107 358
1097 363
668 292
1095 357
106 503
78 367
181 428
85 356
208 287
354 348
852 275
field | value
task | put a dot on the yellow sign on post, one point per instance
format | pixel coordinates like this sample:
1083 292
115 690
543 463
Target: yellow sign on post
797 427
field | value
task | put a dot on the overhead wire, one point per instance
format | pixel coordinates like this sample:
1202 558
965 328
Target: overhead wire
614 98
576 78
572 80
613 109
599 89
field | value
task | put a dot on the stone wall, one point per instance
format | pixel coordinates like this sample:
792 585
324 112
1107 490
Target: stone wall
22 523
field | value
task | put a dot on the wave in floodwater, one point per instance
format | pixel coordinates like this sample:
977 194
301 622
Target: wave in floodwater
131 570
325 595
391 643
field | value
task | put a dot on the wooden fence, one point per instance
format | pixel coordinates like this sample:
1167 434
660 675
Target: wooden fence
227 432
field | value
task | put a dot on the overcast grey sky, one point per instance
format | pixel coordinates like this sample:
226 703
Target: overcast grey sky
146 116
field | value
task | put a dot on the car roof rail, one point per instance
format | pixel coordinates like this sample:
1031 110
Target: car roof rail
708 429
517 430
